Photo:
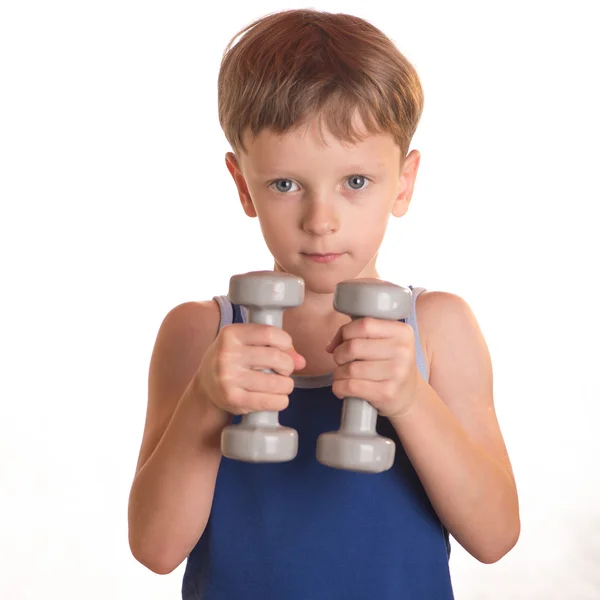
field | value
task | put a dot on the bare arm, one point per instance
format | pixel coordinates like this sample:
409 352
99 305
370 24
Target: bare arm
452 436
172 492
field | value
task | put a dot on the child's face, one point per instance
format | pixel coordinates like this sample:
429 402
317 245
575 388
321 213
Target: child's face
315 198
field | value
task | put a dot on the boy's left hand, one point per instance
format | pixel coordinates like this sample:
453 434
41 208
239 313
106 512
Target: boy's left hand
376 362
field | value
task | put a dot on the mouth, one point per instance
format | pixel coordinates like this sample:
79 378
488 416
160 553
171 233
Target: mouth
322 258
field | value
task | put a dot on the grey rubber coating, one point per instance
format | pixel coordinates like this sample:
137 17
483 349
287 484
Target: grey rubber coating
259 437
357 446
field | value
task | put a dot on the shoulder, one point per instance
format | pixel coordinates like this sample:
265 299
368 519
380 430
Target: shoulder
430 310
192 318
184 334
461 368
450 335
183 337
434 308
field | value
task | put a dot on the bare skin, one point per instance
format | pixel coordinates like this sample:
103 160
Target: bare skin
312 197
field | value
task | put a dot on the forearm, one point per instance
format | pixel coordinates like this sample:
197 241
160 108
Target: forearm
473 494
172 494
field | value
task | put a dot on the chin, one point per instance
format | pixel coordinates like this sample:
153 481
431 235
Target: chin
324 282
320 278
318 286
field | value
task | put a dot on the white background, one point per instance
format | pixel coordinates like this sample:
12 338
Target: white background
116 206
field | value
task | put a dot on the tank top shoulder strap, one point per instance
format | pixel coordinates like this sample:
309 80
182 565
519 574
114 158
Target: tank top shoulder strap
412 321
230 313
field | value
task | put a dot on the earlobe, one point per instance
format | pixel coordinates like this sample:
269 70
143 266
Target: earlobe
400 207
242 188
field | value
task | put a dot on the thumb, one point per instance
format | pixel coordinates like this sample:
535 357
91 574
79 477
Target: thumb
299 360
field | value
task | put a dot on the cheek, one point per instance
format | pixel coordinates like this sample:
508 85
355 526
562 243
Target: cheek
275 226
371 224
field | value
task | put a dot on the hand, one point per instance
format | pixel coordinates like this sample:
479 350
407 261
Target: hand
376 362
228 374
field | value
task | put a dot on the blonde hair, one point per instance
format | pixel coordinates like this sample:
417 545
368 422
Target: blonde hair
297 64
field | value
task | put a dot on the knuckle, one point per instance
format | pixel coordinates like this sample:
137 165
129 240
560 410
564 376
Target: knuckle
289 364
273 402
373 323
235 398
352 387
274 335
289 385
389 388
228 336
270 360
338 389
223 365
353 368
353 346
268 334
222 354
364 325
280 384
273 383
282 362
282 402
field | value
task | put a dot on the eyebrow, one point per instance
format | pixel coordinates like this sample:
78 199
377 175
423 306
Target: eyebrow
350 169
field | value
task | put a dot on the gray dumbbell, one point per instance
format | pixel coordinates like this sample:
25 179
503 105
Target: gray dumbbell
357 446
259 437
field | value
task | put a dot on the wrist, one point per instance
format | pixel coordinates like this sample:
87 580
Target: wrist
198 405
412 407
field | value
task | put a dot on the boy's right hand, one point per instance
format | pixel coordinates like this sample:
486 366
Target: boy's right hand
229 374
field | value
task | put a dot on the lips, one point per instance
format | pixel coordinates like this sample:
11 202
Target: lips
322 257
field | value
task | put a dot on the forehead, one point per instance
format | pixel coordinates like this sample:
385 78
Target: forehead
313 146
308 147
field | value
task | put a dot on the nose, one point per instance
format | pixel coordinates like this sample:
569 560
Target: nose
320 218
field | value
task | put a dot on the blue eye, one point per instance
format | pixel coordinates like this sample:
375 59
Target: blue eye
283 188
360 179
357 183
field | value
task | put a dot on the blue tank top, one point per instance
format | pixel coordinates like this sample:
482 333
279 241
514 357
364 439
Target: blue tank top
303 531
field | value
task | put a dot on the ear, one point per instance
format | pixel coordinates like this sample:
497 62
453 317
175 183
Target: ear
234 168
408 177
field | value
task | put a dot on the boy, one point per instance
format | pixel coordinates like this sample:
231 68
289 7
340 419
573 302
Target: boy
320 110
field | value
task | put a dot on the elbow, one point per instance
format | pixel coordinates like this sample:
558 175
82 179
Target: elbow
149 548
158 562
492 553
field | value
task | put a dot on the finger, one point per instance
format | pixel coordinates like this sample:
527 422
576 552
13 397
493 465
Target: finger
299 360
267 383
365 349
371 370
246 402
266 357
255 334
369 327
371 391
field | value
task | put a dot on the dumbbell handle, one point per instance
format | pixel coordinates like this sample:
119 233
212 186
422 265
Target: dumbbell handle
358 416
263 316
